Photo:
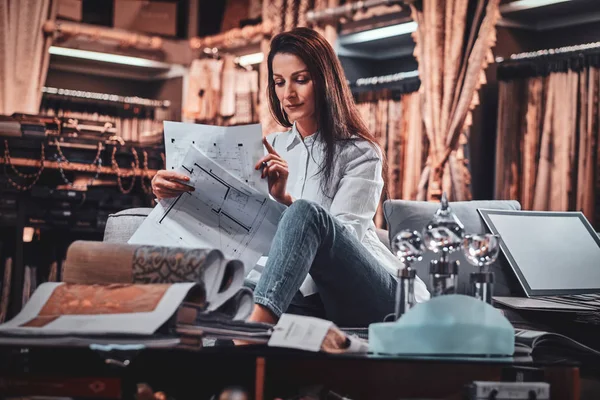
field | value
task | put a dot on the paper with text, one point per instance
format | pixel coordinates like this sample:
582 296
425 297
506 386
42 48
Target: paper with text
300 332
235 148
222 212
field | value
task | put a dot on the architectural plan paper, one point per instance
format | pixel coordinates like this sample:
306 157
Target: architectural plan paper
222 212
138 323
235 148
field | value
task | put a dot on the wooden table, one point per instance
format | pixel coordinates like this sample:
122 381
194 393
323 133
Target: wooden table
264 372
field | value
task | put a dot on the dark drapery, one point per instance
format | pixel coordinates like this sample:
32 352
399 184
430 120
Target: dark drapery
547 141
453 43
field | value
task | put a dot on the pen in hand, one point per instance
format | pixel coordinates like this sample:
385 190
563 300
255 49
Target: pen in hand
275 168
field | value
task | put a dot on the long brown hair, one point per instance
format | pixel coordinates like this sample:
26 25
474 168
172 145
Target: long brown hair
337 116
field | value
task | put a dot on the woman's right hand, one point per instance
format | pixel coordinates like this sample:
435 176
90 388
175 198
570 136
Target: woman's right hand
167 184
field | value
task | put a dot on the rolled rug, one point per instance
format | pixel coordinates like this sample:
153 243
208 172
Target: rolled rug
90 262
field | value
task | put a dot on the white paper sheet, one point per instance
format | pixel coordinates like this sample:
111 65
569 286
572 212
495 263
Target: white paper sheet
223 213
142 323
235 148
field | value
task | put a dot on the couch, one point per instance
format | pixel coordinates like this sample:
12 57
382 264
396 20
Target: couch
399 214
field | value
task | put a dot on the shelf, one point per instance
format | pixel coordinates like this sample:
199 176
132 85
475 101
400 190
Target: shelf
361 39
377 38
543 16
94 58
98 68
78 167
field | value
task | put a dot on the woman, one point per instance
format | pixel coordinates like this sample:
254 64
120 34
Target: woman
325 259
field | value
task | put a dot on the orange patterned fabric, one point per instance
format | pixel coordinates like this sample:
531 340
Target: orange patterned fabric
75 299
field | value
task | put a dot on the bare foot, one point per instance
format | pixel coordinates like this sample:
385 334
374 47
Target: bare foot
259 314
262 314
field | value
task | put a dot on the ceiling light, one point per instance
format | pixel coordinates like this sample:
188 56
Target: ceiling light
521 5
249 59
106 57
379 33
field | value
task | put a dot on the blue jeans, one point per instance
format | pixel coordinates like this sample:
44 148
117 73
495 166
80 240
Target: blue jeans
354 288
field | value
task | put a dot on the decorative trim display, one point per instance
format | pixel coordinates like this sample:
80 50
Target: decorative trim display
233 37
545 62
96 33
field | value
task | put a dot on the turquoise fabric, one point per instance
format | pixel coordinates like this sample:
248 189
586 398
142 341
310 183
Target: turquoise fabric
451 325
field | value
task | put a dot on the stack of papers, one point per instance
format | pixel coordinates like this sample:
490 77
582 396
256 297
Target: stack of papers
230 208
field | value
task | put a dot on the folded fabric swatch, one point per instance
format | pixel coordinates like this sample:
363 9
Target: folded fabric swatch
238 307
58 308
89 262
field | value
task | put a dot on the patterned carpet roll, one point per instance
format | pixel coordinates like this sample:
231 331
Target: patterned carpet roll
89 262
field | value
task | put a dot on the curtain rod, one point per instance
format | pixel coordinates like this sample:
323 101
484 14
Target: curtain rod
349 9
377 80
550 52
104 97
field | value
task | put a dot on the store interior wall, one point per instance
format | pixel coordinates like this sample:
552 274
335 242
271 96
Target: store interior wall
355 68
208 20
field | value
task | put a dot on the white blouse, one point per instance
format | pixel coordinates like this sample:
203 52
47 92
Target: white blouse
353 195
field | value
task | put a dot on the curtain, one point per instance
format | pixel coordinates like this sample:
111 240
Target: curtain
453 48
23 53
284 15
397 124
547 141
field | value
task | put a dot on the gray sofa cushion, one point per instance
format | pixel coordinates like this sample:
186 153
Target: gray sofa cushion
122 225
414 215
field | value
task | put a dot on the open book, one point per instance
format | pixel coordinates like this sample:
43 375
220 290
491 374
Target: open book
540 343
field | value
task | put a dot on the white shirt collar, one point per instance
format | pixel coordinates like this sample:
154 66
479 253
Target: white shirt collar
294 138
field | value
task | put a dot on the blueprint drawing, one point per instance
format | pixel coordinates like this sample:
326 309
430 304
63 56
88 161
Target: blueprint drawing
235 148
222 212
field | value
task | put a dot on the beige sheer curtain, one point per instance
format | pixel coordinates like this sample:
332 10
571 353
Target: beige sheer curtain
547 142
23 53
284 15
397 124
453 48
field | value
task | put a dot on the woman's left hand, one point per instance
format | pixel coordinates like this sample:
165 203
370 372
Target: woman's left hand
275 169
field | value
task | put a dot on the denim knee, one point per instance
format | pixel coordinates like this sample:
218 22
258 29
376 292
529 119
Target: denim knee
303 209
